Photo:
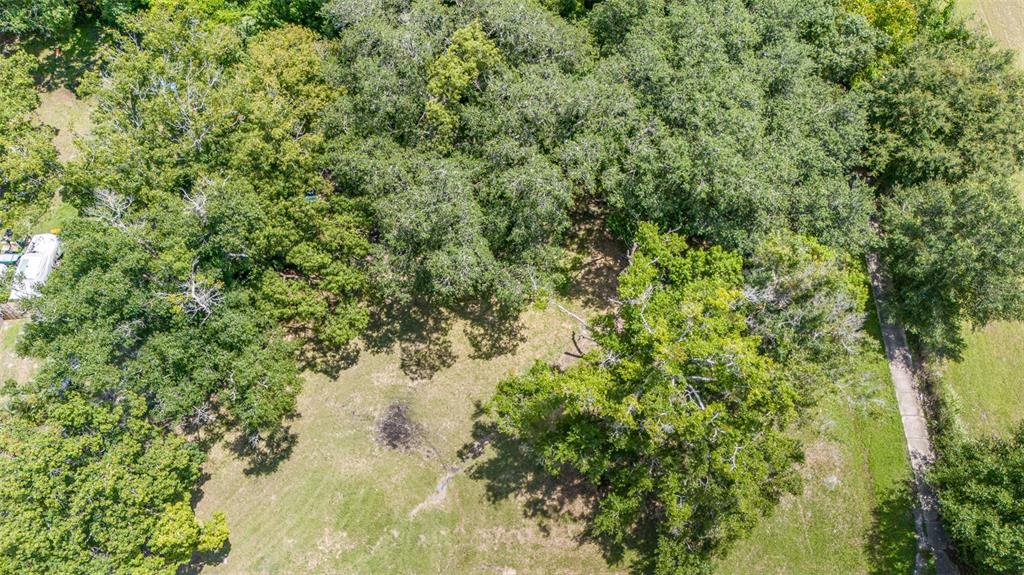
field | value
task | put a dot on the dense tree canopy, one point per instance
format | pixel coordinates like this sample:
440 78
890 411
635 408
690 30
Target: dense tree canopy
807 303
947 111
677 418
469 200
51 17
27 158
712 117
91 487
981 489
946 139
956 253
191 349
741 131
43 17
210 224
263 173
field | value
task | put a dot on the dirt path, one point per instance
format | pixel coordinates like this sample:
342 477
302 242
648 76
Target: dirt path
915 428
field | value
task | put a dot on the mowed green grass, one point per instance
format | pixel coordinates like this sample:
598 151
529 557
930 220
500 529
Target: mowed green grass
343 504
11 365
62 110
854 514
57 78
987 383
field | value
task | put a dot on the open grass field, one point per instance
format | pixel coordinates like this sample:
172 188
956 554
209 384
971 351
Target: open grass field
61 109
854 513
57 79
342 503
11 366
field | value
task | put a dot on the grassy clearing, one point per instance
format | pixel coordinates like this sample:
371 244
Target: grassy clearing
57 79
854 513
56 217
10 335
11 365
64 111
988 381
342 503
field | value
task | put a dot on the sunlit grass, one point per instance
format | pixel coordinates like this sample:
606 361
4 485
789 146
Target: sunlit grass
854 515
988 381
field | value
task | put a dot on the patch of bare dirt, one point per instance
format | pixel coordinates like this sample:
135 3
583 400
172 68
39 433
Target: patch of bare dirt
396 428
439 493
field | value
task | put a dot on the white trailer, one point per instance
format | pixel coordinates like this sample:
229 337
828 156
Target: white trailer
35 265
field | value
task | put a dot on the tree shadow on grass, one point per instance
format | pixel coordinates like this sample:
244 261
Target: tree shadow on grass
420 332
873 332
892 542
511 472
320 357
600 258
492 331
265 455
65 58
199 561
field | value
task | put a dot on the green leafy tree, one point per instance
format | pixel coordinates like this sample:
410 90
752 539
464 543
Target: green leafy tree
209 223
277 12
463 213
955 251
43 17
678 418
48 18
946 136
980 483
808 303
897 20
469 54
741 133
947 110
225 156
28 159
192 347
213 535
91 486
